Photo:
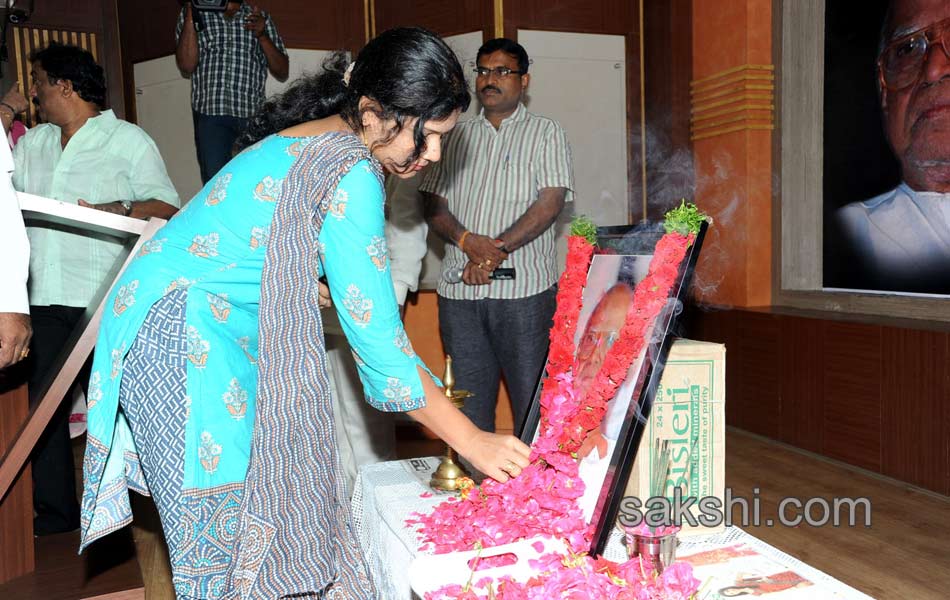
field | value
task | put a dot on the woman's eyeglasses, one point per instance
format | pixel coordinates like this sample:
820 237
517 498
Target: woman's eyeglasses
497 71
901 61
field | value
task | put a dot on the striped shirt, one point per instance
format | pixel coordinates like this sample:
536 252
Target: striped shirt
490 178
232 68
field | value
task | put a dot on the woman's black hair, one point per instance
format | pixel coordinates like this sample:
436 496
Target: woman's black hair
73 64
409 72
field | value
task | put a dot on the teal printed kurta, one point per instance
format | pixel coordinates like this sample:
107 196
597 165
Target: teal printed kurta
213 253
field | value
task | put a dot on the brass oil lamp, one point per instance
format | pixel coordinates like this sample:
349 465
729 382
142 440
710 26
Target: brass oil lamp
446 476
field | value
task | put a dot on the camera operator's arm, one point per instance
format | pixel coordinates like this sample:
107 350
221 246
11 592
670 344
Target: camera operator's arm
186 52
266 33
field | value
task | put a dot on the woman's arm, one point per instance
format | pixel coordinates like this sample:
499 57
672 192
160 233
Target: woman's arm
356 264
497 456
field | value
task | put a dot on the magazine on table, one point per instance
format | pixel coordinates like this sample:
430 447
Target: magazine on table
740 571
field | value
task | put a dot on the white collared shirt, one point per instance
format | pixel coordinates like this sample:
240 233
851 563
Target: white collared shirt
14 245
901 235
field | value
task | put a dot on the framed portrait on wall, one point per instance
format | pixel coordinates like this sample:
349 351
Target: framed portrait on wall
886 148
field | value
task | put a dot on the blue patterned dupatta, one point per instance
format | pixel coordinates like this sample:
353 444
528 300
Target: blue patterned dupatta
294 533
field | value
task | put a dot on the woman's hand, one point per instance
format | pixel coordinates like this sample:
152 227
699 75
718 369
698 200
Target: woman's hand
498 456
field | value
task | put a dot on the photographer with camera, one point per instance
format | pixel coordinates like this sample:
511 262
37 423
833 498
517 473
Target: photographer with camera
226 48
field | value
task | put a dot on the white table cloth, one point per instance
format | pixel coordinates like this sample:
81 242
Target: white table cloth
387 494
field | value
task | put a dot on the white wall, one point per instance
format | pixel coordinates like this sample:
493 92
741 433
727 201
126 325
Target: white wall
579 80
163 104
466 46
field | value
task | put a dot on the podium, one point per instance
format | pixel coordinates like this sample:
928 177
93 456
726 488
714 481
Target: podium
20 428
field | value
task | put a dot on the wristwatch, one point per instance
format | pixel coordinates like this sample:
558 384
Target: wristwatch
127 206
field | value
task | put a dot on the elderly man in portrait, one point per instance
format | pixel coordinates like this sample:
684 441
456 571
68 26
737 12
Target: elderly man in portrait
82 155
901 239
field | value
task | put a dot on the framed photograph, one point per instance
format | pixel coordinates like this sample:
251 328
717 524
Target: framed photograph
885 147
605 462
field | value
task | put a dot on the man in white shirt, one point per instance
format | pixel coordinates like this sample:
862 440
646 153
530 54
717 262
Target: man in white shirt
87 156
15 330
901 239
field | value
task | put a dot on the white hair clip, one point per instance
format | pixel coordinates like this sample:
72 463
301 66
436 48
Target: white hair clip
347 73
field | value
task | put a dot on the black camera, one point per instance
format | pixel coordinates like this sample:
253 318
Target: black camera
210 5
19 11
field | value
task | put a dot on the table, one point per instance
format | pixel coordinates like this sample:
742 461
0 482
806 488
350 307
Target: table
386 494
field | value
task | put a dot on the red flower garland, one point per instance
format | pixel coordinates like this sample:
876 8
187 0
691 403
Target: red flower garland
543 498
649 298
569 301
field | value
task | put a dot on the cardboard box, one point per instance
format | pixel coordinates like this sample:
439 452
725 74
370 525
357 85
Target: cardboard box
689 411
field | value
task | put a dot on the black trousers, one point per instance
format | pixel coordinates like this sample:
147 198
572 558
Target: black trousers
214 141
55 500
488 339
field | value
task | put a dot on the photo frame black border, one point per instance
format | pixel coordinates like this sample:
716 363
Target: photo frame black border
648 378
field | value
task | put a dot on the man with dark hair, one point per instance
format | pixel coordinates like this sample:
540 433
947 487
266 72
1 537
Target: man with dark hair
81 155
494 198
901 239
227 55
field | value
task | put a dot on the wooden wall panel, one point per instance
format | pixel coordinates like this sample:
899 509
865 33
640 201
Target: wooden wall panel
16 509
147 30
800 380
876 396
444 18
757 403
327 25
68 14
915 392
95 18
852 394
582 16
111 59
668 70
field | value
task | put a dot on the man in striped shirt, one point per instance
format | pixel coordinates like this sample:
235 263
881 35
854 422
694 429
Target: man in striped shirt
494 198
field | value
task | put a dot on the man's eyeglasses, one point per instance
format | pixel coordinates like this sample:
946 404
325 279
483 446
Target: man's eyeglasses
901 61
498 71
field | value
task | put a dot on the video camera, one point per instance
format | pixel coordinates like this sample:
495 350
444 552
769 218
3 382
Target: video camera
210 5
